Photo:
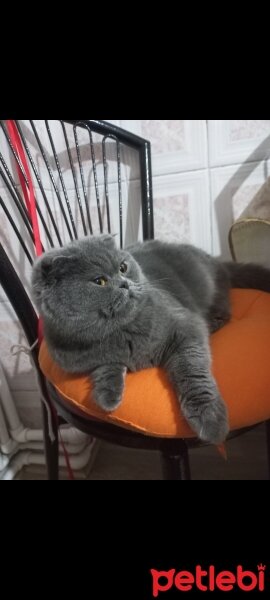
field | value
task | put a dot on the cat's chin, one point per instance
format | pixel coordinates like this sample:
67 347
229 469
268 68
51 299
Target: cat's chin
122 308
124 305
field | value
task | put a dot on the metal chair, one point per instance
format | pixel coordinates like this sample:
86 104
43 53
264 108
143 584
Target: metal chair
55 173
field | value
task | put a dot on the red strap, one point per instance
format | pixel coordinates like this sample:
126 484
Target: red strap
28 192
29 195
30 201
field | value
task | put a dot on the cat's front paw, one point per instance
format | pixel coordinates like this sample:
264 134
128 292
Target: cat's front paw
109 384
209 420
108 400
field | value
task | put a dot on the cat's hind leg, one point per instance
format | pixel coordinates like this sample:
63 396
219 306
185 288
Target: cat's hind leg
188 364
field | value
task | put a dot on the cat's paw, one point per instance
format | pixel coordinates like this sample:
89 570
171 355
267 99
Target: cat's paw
109 384
210 420
108 400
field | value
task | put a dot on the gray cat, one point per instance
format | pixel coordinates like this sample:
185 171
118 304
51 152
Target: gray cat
106 311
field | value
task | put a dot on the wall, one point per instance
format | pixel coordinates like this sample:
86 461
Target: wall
204 174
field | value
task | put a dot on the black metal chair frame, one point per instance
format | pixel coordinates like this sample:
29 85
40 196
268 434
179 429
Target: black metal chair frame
174 451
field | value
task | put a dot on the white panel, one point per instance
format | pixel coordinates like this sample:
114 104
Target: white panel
182 208
233 142
176 145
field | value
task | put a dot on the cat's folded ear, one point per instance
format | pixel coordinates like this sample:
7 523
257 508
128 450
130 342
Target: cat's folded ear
55 265
108 239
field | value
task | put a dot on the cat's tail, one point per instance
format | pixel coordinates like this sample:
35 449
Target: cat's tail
249 276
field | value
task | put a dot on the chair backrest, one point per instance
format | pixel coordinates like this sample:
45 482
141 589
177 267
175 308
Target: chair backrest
88 178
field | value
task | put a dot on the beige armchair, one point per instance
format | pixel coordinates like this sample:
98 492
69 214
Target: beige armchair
249 236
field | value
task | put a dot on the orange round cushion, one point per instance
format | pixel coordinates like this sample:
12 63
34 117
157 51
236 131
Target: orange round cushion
241 366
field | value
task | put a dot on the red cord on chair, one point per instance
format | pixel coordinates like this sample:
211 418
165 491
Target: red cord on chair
28 192
30 201
29 195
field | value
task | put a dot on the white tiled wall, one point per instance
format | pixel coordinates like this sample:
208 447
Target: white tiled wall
176 145
204 174
236 142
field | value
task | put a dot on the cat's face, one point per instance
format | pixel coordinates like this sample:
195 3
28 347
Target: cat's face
89 281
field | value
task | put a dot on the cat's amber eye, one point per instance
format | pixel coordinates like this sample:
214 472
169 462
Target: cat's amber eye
100 281
123 267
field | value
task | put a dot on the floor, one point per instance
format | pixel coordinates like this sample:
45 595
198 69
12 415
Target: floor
246 461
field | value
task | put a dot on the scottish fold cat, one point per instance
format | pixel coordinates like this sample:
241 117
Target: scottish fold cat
108 311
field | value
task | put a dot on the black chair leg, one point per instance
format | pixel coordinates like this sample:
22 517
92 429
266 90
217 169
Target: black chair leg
51 448
176 464
267 425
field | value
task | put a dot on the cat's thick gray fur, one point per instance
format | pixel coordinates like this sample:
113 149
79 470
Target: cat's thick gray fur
158 313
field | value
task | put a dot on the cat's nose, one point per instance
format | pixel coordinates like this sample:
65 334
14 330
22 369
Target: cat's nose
123 284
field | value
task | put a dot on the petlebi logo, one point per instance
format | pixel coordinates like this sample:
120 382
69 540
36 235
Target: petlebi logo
209 579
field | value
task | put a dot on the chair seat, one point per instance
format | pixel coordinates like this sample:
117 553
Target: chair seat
241 366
